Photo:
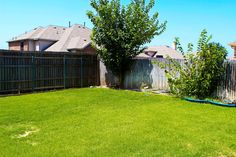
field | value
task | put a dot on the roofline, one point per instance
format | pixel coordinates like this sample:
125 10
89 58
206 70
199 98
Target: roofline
35 39
38 38
85 27
54 26
81 48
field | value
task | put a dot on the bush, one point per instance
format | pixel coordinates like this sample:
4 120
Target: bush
201 72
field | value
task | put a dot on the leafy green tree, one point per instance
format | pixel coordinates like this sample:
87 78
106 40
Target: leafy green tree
120 32
201 72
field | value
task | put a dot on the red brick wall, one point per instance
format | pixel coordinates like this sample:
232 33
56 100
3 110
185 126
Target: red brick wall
16 46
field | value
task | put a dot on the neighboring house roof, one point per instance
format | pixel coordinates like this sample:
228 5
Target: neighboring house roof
233 44
76 37
160 51
52 33
143 55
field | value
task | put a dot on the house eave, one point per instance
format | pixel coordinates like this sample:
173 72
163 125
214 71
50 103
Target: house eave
87 45
32 39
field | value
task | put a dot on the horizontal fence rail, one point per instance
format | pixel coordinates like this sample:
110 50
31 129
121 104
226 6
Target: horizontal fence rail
30 71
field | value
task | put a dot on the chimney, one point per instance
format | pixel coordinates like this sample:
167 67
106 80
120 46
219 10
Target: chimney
69 24
174 46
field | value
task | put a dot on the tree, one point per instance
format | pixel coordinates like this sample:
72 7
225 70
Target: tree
201 72
120 32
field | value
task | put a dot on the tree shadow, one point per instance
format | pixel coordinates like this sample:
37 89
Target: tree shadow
111 80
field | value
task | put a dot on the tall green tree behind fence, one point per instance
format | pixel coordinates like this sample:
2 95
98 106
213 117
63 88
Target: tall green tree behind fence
30 71
120 31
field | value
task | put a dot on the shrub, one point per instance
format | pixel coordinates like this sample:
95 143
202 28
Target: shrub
201 72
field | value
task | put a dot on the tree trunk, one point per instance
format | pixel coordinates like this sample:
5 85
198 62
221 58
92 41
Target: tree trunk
121 80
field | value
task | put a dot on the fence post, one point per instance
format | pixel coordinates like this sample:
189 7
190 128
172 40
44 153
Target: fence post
81 72
64 71
33 72
18 75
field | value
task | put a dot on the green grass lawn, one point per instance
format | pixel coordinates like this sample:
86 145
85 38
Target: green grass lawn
104 122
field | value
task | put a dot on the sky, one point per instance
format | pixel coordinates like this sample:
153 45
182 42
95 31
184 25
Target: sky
186 18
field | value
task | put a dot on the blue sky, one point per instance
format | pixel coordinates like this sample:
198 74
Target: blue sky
186 18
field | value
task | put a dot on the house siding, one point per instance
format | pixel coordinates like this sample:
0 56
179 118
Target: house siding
16 46
30 45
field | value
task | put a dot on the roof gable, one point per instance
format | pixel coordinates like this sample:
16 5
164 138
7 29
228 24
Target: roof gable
75 37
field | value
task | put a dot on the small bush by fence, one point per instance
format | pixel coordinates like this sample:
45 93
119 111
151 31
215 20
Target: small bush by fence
30 71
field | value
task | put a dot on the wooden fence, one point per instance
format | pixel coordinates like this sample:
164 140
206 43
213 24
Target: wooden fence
146 73
143 73
30 71
227 87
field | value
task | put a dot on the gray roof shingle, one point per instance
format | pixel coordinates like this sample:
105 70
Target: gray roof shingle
155 51
76 37
52 33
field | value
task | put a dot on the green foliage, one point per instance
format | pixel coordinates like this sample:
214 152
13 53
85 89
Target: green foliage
120 31
201 72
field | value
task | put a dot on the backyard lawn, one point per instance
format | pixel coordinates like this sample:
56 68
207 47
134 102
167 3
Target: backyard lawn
105 122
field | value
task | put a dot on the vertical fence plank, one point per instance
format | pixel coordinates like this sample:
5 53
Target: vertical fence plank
64 71
31 71
81 72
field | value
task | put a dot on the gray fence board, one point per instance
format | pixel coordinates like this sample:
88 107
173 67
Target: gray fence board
148 73
227 87
144 72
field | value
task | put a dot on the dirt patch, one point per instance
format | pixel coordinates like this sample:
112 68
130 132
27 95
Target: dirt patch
28 132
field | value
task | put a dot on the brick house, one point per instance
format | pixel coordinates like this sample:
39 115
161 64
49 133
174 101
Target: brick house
233 45
74 39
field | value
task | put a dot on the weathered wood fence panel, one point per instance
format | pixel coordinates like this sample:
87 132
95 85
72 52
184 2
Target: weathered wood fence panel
145 72
227 87
29 71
